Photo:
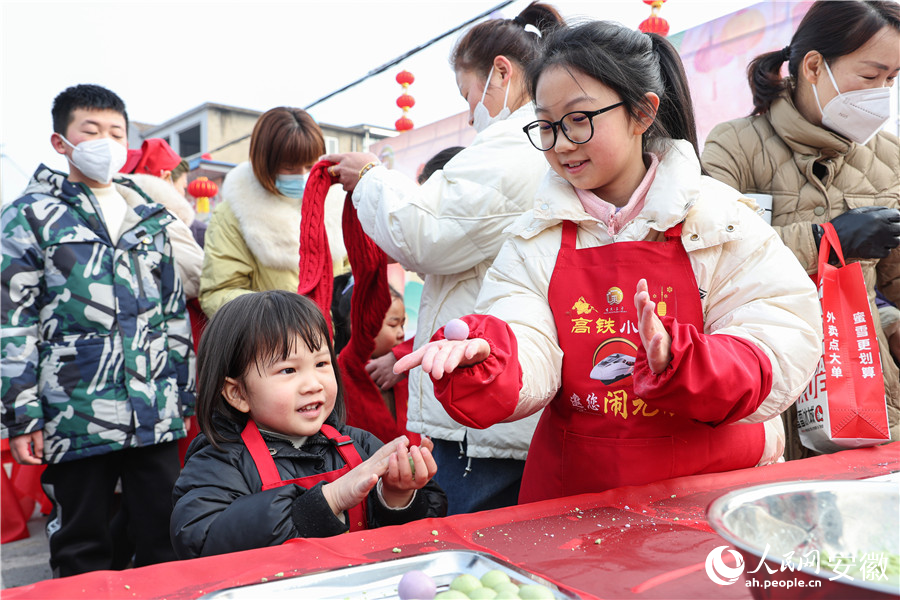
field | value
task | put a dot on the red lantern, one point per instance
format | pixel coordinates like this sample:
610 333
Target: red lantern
403 124
654 23
405 78
406 101
202 189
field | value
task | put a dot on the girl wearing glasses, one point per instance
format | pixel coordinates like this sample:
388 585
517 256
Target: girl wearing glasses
663 324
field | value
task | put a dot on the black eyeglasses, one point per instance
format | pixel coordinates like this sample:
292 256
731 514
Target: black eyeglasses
578 127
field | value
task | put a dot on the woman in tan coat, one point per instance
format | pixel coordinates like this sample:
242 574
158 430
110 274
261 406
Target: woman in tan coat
822 164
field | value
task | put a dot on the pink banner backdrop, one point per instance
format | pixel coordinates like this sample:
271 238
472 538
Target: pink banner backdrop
716 55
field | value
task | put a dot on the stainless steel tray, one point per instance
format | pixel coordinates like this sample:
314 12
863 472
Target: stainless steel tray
378 581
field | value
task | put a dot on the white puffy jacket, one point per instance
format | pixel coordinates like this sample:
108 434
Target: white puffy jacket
449 230
755 288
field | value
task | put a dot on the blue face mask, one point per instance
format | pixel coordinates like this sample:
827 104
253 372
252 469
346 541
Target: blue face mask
291 186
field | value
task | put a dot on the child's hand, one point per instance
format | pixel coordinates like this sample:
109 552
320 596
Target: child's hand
381 370
28 449
352 488
656 340
444 356
408 471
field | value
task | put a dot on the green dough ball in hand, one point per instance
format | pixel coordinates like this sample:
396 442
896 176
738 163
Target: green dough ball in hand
465 583
535 592
494 578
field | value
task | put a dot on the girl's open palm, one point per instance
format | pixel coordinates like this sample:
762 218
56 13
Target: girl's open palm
444 356
352 488
656 340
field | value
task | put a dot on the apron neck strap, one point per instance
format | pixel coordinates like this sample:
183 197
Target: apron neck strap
674 231
344 445
268 472
569 235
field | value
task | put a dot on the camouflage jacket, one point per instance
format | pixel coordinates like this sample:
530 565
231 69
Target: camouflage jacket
96 348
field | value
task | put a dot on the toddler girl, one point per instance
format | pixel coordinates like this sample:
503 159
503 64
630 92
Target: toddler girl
275 460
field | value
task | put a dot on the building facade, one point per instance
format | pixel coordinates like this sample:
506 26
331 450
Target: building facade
213 138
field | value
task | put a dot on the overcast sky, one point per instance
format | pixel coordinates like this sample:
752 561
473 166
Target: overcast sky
165 58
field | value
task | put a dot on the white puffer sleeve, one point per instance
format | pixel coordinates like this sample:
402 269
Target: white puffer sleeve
455 220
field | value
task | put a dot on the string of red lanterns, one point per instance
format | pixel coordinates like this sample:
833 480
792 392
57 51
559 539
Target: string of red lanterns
654 23
405 101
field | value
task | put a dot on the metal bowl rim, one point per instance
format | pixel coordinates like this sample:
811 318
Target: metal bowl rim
718 508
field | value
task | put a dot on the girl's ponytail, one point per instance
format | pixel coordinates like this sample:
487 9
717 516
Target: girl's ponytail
542 17
675 118
475 51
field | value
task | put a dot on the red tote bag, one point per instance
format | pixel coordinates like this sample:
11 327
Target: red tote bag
844 405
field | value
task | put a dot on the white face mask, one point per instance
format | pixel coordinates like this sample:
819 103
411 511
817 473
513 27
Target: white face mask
858 114
481 117
98 159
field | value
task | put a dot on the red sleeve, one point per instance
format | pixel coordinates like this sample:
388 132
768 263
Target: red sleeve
487 393
401 350
714 379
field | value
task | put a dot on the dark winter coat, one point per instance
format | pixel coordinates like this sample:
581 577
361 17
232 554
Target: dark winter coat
220 506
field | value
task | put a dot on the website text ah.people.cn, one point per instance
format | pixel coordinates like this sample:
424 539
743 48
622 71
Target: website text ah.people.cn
783 583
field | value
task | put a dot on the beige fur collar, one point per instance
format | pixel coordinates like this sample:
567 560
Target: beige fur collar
160 190
270 223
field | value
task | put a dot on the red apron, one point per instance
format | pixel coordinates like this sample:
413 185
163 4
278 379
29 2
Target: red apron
268 472
597 434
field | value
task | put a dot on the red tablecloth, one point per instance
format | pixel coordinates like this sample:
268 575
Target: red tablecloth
654 540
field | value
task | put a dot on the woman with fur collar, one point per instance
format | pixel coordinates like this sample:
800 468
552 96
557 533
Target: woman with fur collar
252 241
